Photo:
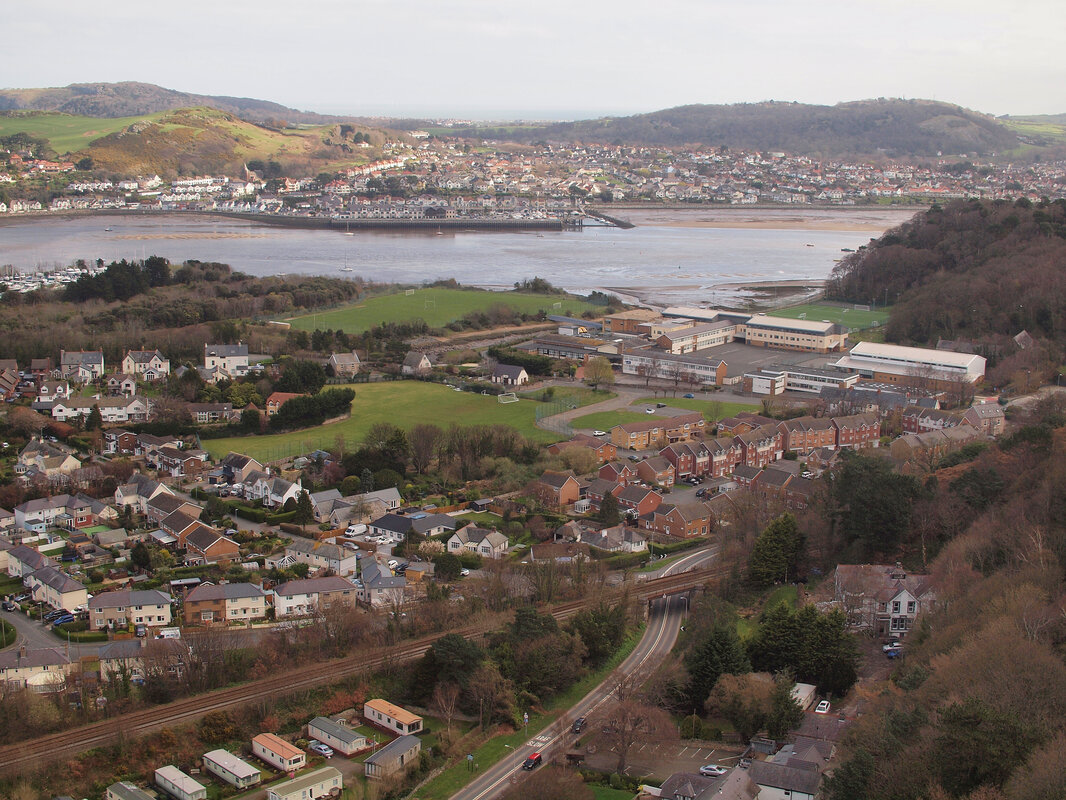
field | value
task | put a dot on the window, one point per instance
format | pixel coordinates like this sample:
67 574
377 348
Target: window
912 606
895 606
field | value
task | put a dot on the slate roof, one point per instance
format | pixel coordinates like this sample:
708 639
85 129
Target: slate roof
223 591
314 586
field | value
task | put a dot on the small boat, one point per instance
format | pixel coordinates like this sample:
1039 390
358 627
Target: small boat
809 245
108 230
439 232
846 250
347 269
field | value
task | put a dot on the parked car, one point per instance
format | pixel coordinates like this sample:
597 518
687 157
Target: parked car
689 396
20 598
822 707
701 491
464 572
51 615
712 770
649 410
393 563
9 606
63 620
893 654
599 433
579 725
321 749
895 644
533 761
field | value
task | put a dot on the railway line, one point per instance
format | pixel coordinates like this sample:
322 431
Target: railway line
35 753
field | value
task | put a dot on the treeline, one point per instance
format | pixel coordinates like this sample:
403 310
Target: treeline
531 362
121 280
885 127
309 410
979 270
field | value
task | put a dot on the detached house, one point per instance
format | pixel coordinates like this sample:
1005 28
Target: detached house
344 365
121 385
557 488
509 375
81 366
273 491
206 546
230 358
486 543
882 598
620 538
988 418
148 365
416 364
656 470
321 555
680 519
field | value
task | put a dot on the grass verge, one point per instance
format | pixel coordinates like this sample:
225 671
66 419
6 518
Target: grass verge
458 775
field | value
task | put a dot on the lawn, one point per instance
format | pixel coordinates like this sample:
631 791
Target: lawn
842 315
67 133
437 306
481 518
576 396
404 404
458 775
605 420
713 410
607 793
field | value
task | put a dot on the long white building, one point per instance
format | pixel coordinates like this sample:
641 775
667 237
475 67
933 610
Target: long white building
912 366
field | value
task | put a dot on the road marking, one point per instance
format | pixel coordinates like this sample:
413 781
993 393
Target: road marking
683 752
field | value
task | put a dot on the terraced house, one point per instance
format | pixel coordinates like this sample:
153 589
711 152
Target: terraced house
111 610
660 432
209 603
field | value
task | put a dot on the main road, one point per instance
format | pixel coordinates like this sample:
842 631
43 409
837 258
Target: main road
664 622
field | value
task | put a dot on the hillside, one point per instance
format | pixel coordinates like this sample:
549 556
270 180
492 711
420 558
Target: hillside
191 141
896 128
972 270
130 98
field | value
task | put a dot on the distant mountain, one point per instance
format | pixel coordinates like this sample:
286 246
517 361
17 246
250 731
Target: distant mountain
868 127
129 99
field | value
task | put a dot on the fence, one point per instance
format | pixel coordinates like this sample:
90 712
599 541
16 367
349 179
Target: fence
548 416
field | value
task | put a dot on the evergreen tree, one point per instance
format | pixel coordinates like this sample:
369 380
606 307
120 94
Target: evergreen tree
95 420
305 512
720 653
776 552
608 513
366 480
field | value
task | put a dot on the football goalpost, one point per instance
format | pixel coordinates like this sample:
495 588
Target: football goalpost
409 292
430 304
506 397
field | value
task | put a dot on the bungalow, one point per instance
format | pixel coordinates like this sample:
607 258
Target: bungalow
301 598
620 538
42 670
557 488
225 602
416 364
180 524
344 365
398 526
340 737
208 413
207 546
321 555
110 610
509 375
322 782
47 459
656 470
487 544
796 779
150 365
232 770
394 757
179 785
278 753
386 715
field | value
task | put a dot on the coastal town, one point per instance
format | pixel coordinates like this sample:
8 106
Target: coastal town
420 176
137 559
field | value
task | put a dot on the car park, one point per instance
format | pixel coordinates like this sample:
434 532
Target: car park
712 770
822 707
320 749
533 761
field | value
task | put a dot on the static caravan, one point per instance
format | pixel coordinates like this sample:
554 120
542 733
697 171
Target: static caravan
179 785
391 717
314 784
278 753
394 757
343 740
227 767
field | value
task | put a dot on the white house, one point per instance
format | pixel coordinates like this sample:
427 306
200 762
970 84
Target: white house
230 358
57 589
81 365
274 491
304 597
42 670
883 598
320 783
149 365
113 410
322 555
486 543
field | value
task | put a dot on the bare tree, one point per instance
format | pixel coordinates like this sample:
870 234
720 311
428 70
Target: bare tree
631 722
423 439
445 702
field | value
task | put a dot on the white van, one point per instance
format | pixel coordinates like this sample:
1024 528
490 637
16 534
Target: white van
355 530
169 633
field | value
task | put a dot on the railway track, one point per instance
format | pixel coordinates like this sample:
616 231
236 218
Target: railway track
34 753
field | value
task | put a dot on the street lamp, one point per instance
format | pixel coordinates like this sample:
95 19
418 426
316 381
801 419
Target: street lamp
512 756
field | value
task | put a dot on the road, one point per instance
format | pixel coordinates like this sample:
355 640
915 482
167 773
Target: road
658 639
35 637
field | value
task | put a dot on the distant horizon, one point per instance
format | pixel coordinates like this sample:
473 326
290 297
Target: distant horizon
488 114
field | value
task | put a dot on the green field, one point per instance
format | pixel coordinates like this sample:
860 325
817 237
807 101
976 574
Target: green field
404 404
605 420
842 315
721 409
67 133
437 306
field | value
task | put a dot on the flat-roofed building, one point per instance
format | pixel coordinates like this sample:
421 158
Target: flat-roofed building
391 717
278 753
912 366
782 333
319 783
179 785
687 368
627 321
340 737
397 755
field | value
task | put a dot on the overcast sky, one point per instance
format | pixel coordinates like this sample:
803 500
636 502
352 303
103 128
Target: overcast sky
561 59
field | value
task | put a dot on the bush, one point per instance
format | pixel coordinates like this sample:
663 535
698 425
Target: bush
278 519
674 547
8 634
691 727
